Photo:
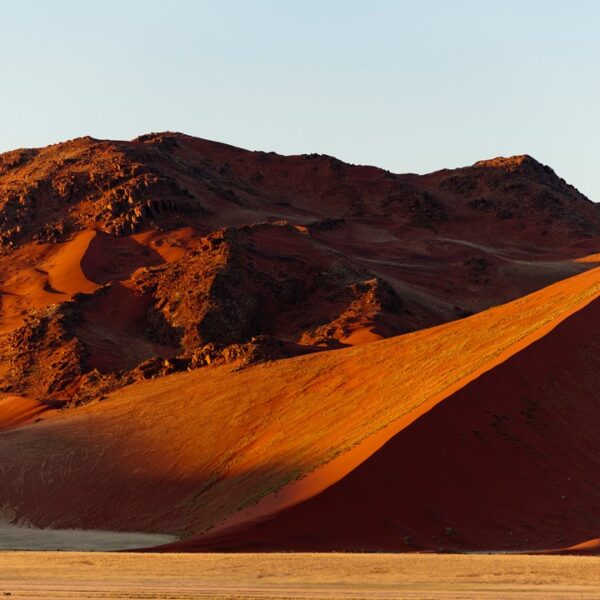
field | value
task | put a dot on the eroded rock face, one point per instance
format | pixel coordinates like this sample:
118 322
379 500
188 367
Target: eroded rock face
172 179
49 193
521 188
228 300
43 358
208 254
231 290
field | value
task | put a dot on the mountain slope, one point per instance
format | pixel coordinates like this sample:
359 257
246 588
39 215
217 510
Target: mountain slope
125 261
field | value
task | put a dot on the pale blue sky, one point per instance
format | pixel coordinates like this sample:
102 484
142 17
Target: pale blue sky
409 85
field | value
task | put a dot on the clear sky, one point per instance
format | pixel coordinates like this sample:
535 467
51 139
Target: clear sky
409 85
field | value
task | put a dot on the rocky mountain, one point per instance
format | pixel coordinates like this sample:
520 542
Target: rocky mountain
124 261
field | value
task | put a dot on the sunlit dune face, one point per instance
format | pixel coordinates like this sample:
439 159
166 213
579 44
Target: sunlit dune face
15 410
590 258
184 452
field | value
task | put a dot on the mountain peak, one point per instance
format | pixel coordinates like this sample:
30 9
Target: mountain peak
518 161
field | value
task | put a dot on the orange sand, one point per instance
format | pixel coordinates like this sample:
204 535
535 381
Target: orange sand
41 275
65 274
15 410
481 470
187 451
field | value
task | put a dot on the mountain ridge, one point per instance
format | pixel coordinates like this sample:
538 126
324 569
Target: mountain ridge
205 253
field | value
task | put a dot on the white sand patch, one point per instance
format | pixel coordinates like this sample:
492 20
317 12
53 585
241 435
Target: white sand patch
19 537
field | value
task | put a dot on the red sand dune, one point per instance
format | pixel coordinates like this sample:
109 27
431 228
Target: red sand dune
509 462
64 268
586 547
469 430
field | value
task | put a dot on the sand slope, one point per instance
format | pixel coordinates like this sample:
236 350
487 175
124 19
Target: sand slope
42 275
187 451
509 462
16 410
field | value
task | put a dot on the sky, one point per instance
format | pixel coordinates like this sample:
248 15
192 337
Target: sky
408 85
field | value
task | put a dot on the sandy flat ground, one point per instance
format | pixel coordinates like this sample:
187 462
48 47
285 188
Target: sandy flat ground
183 576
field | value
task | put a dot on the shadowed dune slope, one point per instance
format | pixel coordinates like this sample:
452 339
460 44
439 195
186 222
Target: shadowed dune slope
509 462
211 447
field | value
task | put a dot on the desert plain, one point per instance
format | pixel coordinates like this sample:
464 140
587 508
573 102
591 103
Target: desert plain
126 576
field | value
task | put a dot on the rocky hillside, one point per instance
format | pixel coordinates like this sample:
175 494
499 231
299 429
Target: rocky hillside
122 261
